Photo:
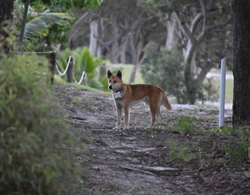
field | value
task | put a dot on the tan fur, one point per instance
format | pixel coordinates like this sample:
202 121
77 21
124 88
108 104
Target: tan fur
131 94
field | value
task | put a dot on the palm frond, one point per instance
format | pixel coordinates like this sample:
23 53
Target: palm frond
40 24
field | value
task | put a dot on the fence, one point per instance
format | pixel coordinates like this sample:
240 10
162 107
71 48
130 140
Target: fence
69 70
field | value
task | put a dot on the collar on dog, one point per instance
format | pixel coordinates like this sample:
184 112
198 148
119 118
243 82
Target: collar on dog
117 94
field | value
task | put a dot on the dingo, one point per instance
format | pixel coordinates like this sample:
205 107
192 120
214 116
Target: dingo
126 95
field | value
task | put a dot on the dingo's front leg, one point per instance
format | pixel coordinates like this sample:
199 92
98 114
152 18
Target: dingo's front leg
119 114
126 117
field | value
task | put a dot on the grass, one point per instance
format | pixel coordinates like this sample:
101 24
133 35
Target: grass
83 87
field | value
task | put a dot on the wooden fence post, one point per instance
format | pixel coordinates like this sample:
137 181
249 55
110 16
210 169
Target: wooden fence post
70 71
52 59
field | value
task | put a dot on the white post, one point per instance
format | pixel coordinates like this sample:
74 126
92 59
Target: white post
222 92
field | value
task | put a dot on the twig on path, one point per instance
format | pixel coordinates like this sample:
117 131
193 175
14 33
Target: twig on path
137 170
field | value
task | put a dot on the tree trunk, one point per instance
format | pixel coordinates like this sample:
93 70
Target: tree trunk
172 38
100 36
6 8
133 58
93 37
138 56
114 51
241 69
123 50
188 74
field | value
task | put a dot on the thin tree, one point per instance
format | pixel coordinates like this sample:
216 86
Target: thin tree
241 69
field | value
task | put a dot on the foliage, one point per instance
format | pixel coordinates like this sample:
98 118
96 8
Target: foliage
65 5
32 132
43 27
73 4
48 29
83 62
180 152
104 81
186 125
166 71
7 40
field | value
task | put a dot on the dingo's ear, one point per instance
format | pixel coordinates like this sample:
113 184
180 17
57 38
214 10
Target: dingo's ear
109 74
119 74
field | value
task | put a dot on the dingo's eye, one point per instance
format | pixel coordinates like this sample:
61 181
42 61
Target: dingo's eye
109 80
115 81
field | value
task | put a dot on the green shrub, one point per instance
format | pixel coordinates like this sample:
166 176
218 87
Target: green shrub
184 125
31 131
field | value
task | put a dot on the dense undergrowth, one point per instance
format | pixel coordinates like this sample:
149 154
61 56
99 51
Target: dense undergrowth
32 132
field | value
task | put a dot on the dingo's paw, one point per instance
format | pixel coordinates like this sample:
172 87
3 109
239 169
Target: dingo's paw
125 127
117 128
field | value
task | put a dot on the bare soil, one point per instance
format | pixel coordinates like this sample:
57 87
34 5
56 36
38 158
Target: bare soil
138 161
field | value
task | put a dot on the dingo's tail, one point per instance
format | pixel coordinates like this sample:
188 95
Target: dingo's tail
165 102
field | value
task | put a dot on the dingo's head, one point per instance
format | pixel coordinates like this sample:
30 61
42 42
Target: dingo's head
115 81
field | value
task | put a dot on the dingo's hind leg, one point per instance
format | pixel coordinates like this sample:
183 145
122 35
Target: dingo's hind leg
158 113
